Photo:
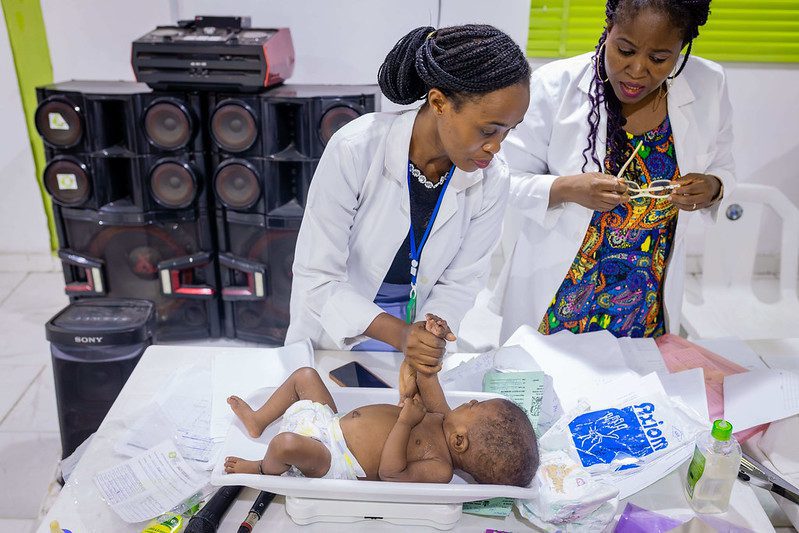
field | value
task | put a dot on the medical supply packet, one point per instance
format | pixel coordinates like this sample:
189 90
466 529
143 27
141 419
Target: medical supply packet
630 433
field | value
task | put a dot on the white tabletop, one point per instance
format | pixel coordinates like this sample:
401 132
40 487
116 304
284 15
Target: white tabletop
79 509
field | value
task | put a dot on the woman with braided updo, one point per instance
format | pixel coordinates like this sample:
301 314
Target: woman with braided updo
602 240
405 209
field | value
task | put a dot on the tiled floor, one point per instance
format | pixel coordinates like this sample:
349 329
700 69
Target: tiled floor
29 440
30 446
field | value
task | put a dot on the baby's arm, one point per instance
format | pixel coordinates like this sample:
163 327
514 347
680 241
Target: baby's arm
429 387
394 465
407 375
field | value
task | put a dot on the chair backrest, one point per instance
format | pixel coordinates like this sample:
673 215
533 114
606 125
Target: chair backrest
731 244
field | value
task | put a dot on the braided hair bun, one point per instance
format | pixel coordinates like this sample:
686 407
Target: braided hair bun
470 59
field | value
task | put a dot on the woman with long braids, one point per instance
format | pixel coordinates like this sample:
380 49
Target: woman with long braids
602 241
405 208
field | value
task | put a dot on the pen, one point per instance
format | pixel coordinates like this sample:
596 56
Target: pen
256 511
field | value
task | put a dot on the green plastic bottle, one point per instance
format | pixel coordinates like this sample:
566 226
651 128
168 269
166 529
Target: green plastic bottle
713 469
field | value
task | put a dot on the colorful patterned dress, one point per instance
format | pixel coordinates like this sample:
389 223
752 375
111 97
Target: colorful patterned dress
616 279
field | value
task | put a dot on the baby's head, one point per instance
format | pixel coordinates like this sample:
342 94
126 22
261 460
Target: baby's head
493 441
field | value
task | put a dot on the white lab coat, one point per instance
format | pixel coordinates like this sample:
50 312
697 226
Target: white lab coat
356 218
550 142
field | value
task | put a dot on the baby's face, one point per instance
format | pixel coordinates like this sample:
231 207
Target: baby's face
467 415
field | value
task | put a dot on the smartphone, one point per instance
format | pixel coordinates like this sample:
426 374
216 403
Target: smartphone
354 374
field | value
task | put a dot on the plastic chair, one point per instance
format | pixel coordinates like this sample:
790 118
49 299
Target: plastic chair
729 305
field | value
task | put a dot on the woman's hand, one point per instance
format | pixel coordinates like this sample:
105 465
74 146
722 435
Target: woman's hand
423 350
696 191
594 190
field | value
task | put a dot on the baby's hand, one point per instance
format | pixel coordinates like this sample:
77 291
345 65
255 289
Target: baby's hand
438 327
413 411
407 381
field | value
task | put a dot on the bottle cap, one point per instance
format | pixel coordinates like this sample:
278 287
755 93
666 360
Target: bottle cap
722 430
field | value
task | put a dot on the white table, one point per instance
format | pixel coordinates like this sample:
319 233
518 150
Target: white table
77 508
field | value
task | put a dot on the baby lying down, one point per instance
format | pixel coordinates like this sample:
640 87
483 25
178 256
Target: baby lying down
422 440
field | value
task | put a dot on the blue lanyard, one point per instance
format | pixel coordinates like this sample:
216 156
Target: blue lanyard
416 251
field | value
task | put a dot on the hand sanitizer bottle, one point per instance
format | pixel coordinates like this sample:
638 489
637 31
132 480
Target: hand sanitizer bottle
713 469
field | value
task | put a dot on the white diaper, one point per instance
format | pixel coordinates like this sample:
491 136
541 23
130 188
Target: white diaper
318 421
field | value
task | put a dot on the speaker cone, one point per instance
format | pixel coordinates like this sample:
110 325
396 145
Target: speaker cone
333 119
59 122
233 126
237 185
173 184
67 181
167 124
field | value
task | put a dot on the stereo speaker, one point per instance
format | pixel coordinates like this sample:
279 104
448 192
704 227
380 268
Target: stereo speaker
95 345
113 118
127 183
165 257
256 273
287 122
265 186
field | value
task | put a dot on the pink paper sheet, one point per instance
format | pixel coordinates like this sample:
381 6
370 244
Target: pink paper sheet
680 354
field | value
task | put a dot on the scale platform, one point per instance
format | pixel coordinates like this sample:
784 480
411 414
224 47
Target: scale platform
441 516
437 505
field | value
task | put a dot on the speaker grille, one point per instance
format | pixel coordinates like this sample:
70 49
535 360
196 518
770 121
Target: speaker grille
173 185
67 181
59 122
167 124
333 119
233 127
237 185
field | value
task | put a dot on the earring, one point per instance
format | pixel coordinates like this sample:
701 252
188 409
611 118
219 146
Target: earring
660 96
596 63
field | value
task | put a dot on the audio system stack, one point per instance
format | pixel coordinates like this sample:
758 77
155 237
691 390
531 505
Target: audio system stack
265 149
190 195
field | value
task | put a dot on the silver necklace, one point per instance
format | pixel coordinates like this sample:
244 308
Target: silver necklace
416 173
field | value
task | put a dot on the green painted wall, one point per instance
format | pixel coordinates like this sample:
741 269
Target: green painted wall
28 39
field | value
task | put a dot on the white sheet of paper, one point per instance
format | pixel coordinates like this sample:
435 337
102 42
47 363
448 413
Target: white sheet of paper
760 396
235 373
465 371
182 412
642 355
735 350
577 363
149 484
784 362
689 387
625 390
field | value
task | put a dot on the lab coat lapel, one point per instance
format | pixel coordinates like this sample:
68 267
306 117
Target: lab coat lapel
395 168
449 204
680 98
679 102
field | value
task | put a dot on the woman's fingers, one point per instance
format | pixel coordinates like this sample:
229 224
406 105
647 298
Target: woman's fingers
426 369
424 358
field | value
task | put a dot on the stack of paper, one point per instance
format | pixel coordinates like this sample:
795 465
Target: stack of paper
576 363
680 354
760 397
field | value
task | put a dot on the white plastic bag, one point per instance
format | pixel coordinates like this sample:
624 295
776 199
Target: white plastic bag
569 498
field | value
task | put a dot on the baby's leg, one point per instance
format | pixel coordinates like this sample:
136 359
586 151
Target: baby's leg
303 384
309 455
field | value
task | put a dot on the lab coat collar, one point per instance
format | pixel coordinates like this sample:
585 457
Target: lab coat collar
398 145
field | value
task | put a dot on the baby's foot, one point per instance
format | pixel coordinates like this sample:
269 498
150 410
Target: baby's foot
246 415
237 465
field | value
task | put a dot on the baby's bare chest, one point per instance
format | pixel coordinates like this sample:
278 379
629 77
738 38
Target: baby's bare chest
367 428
